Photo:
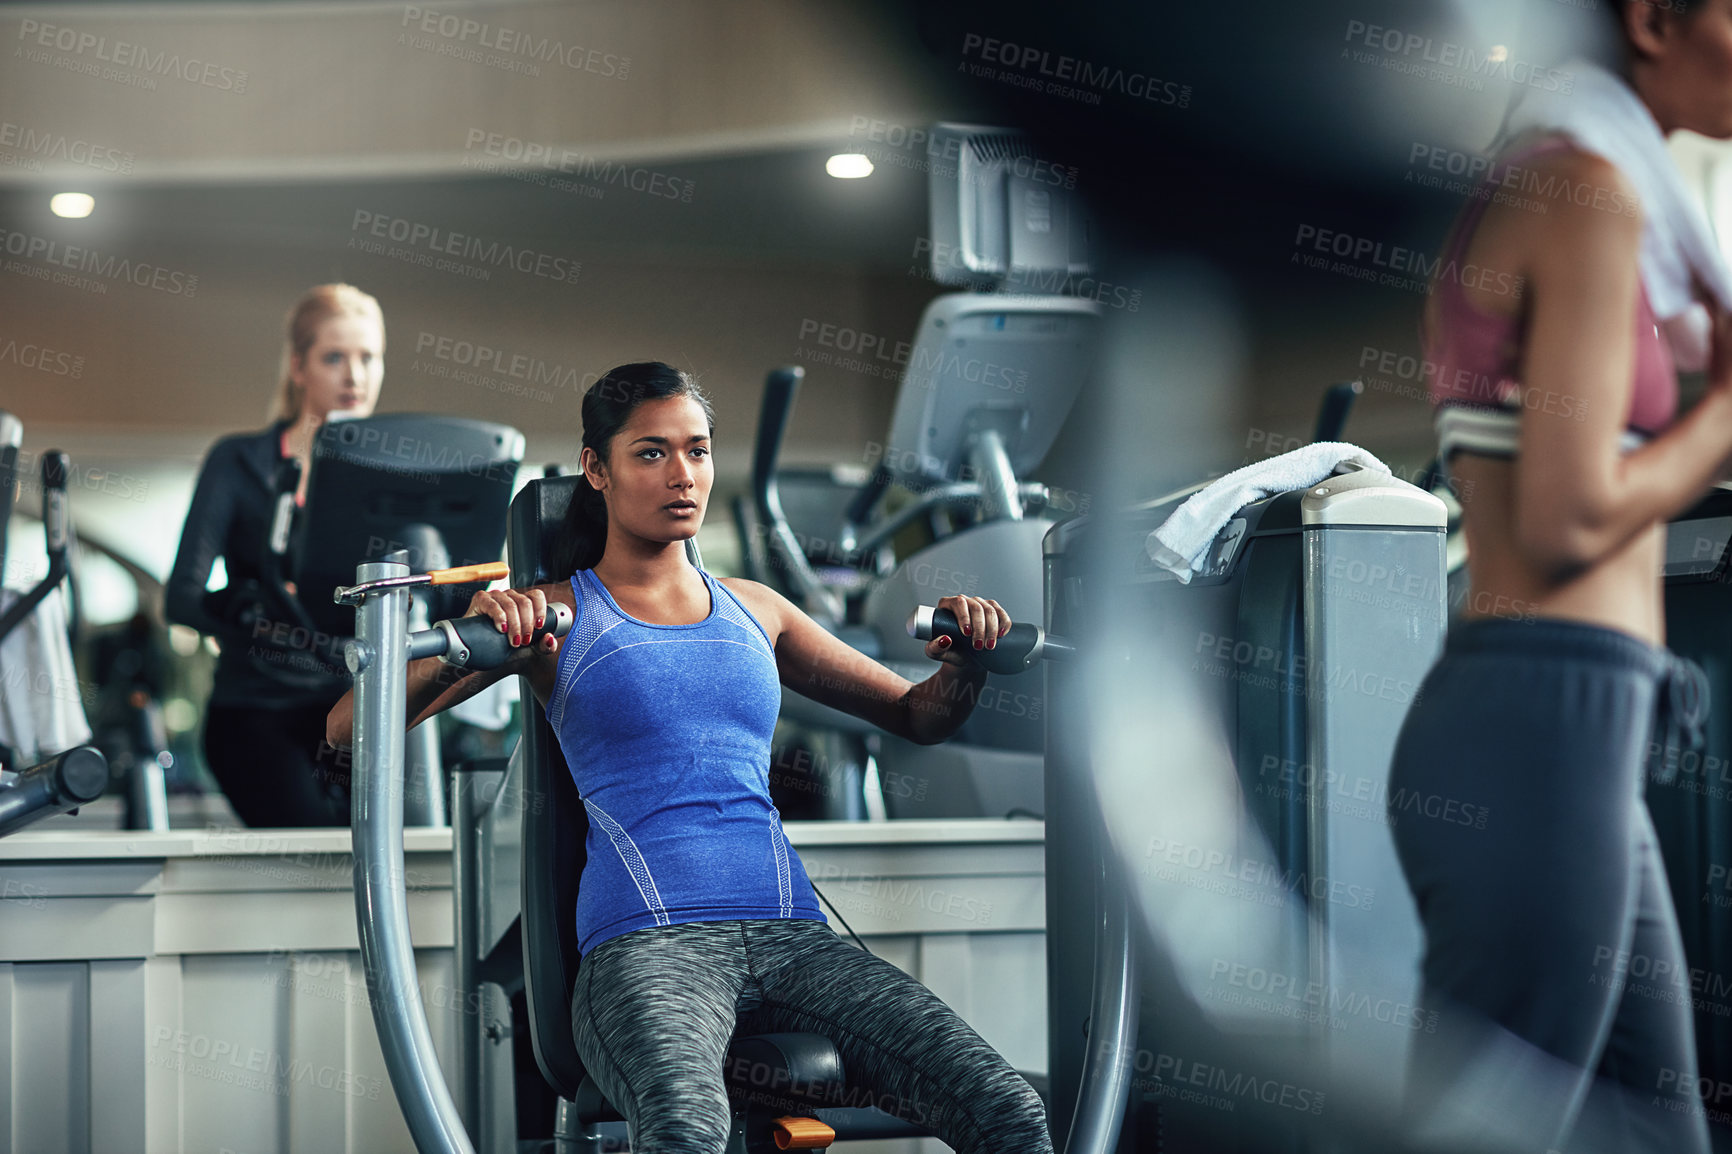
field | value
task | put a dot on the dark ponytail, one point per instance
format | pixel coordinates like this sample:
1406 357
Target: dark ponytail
607 406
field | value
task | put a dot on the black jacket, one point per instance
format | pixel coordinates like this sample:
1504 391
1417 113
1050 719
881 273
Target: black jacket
265 662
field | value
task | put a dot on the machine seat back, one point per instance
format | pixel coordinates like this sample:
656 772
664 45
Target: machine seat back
555 825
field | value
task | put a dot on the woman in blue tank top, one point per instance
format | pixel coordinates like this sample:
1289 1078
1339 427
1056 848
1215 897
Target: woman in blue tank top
695 915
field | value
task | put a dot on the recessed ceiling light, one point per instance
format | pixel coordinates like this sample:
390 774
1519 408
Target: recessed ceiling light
73 204
848 166
1498 54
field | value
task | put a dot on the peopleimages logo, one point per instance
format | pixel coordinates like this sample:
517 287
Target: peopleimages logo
37 36
1068 71
97 263
514 151
486 358
435 241
250 1067
41 146
1397 265
918 147
41 358
926 366
460 32
1466 384
1268 988
1025 278
1444 60
1472 174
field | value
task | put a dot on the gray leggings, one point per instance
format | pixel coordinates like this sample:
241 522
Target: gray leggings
653 1011
1552 949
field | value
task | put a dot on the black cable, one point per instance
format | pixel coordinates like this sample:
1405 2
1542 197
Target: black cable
839 916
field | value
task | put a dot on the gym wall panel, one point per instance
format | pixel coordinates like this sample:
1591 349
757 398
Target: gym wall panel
231 1085
199 923
223 1008
83 927
118 1051
51 1049
318 1015
226 1010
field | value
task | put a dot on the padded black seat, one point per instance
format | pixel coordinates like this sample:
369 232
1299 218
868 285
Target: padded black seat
793 1069
786 1068
784 1071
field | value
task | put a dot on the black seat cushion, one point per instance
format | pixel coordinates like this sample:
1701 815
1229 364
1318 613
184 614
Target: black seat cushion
785 1070
592 1105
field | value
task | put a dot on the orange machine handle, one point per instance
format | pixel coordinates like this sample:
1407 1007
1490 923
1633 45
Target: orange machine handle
463 575
795 1133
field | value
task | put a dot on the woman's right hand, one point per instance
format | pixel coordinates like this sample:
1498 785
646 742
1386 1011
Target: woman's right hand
518 613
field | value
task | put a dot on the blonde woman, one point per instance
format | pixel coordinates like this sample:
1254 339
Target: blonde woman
265 721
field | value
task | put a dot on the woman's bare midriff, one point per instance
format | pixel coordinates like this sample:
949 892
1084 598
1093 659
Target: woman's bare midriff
1622 591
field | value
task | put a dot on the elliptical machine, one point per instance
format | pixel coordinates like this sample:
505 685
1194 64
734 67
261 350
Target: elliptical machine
76 776
989 380
1219 762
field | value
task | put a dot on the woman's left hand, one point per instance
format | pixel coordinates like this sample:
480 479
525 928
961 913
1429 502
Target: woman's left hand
983 621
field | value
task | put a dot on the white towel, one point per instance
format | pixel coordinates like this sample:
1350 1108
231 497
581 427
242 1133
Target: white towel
1604 116
1181 544
41 698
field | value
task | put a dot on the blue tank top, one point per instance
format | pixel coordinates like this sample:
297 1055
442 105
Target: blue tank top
667 730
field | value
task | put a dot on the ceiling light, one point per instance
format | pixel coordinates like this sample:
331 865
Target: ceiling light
72 204
848 166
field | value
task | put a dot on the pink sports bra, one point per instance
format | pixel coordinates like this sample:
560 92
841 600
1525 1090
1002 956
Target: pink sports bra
1475 355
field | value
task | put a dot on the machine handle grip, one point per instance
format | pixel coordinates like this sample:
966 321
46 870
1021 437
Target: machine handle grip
795 1133
56 466
867 495
1016 652
1332 414
464 574
780 388
476 642
61 783
57 527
